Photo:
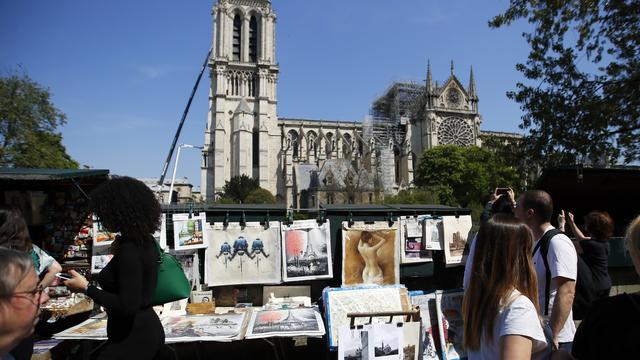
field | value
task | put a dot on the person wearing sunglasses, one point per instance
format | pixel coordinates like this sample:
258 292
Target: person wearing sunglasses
20 297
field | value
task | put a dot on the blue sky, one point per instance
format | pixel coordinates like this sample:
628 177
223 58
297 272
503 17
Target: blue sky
122 71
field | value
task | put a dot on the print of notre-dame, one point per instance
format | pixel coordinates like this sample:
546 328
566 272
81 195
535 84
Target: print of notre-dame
305 162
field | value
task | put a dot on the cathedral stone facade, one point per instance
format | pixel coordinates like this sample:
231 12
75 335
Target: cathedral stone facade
306 162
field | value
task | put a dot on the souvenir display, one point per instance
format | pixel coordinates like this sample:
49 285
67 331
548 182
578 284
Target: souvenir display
370 254
287 322
209 327
449 308
456 232
306 251
412 238
101 237
365 299
428 318
247 254
189 231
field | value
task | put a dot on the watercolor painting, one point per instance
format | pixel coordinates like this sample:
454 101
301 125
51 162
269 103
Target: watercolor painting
306 251
370 254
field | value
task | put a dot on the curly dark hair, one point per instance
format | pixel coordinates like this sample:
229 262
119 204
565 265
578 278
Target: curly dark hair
599 224
126 205
14 233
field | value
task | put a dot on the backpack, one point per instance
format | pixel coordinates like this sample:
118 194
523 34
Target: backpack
585 290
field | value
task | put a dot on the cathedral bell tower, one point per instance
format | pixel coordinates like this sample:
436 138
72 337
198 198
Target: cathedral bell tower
242 135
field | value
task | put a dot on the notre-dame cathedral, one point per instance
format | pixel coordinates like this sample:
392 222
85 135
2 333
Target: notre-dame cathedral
305 162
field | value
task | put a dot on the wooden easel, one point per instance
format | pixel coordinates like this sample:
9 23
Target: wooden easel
410 316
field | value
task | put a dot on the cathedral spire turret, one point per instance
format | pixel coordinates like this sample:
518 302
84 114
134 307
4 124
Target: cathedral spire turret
451 67
429 78
472 84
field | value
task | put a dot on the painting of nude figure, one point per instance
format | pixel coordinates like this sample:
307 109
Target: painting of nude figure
370 254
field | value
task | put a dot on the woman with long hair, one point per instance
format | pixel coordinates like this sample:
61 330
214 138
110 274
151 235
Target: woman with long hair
500 304
127 206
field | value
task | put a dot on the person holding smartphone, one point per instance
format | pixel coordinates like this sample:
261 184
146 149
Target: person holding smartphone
127 206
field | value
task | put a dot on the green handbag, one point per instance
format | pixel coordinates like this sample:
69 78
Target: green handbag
172 283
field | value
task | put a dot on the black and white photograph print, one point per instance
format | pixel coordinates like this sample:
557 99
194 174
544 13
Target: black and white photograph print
286 322
306 248
354 344
386 342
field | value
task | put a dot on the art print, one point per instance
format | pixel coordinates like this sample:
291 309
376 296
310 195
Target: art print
175 308
385 342
101 236
288 291
285 322
161 234
432 231
411 340
429 320
100 257
95 329
451 327
243 255
364 299
354 344
190 265
456 232
213 327
370 254
188 231
306 251
412 239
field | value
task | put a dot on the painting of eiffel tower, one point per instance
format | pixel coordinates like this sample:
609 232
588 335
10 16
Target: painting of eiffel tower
306 250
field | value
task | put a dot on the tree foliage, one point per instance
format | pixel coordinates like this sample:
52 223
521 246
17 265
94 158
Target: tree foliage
239 187
260 196
582 99
463 175
28 126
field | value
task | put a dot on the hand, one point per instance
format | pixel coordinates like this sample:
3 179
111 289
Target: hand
561 220
570 217
77 283
512 195
494 196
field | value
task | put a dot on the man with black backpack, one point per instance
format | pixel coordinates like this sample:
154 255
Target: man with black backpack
557 272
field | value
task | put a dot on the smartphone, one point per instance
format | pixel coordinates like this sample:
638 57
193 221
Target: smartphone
502 191
64 276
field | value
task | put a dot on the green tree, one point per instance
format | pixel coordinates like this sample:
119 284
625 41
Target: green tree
28 126
239 187
463 175
260 196
582 97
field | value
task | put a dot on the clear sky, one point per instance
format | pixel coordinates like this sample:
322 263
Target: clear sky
122 71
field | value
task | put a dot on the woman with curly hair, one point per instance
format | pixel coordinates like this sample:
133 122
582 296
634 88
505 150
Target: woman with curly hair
594 249
500 306
127 206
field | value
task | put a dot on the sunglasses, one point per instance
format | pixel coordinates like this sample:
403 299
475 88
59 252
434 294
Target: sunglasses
35 294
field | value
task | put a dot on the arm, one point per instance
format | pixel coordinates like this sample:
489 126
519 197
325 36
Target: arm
562 304
515 347
576 231
379 244
53 269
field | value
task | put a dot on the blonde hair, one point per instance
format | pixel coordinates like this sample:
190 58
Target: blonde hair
632 237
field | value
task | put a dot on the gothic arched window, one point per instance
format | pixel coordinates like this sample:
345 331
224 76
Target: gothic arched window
253 39
237 37
293 136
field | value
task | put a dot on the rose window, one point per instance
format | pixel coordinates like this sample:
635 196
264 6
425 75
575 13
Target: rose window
456 132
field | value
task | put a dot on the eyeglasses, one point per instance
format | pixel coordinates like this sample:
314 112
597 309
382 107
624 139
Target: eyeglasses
35 294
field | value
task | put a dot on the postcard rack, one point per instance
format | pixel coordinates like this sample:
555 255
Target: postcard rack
410 316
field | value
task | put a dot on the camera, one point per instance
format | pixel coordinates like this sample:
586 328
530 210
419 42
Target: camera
502 191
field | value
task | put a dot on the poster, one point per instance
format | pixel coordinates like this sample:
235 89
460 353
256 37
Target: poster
306 251
342 301
449 308
210 327
92 328
428 317
432 232
413 241
237 255
411 340
190 263
287 322
354 343
161 234
370 254
100 257
456 232
188 231
386 342
101 237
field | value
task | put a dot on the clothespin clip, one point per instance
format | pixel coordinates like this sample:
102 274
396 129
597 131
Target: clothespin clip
243 221
225 222
390 219
321 219
267 221
190 210
350 219
289 217
457 215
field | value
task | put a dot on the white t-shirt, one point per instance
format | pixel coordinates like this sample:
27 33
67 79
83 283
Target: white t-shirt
563 262
518 316
469 265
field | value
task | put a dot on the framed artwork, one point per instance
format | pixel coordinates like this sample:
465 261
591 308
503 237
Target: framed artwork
429 320
286 322
456 232
161 234
370 254
100 257
449 308
243 255
362 299
210 327
306 251
354 343
101 236
412 240
188 231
